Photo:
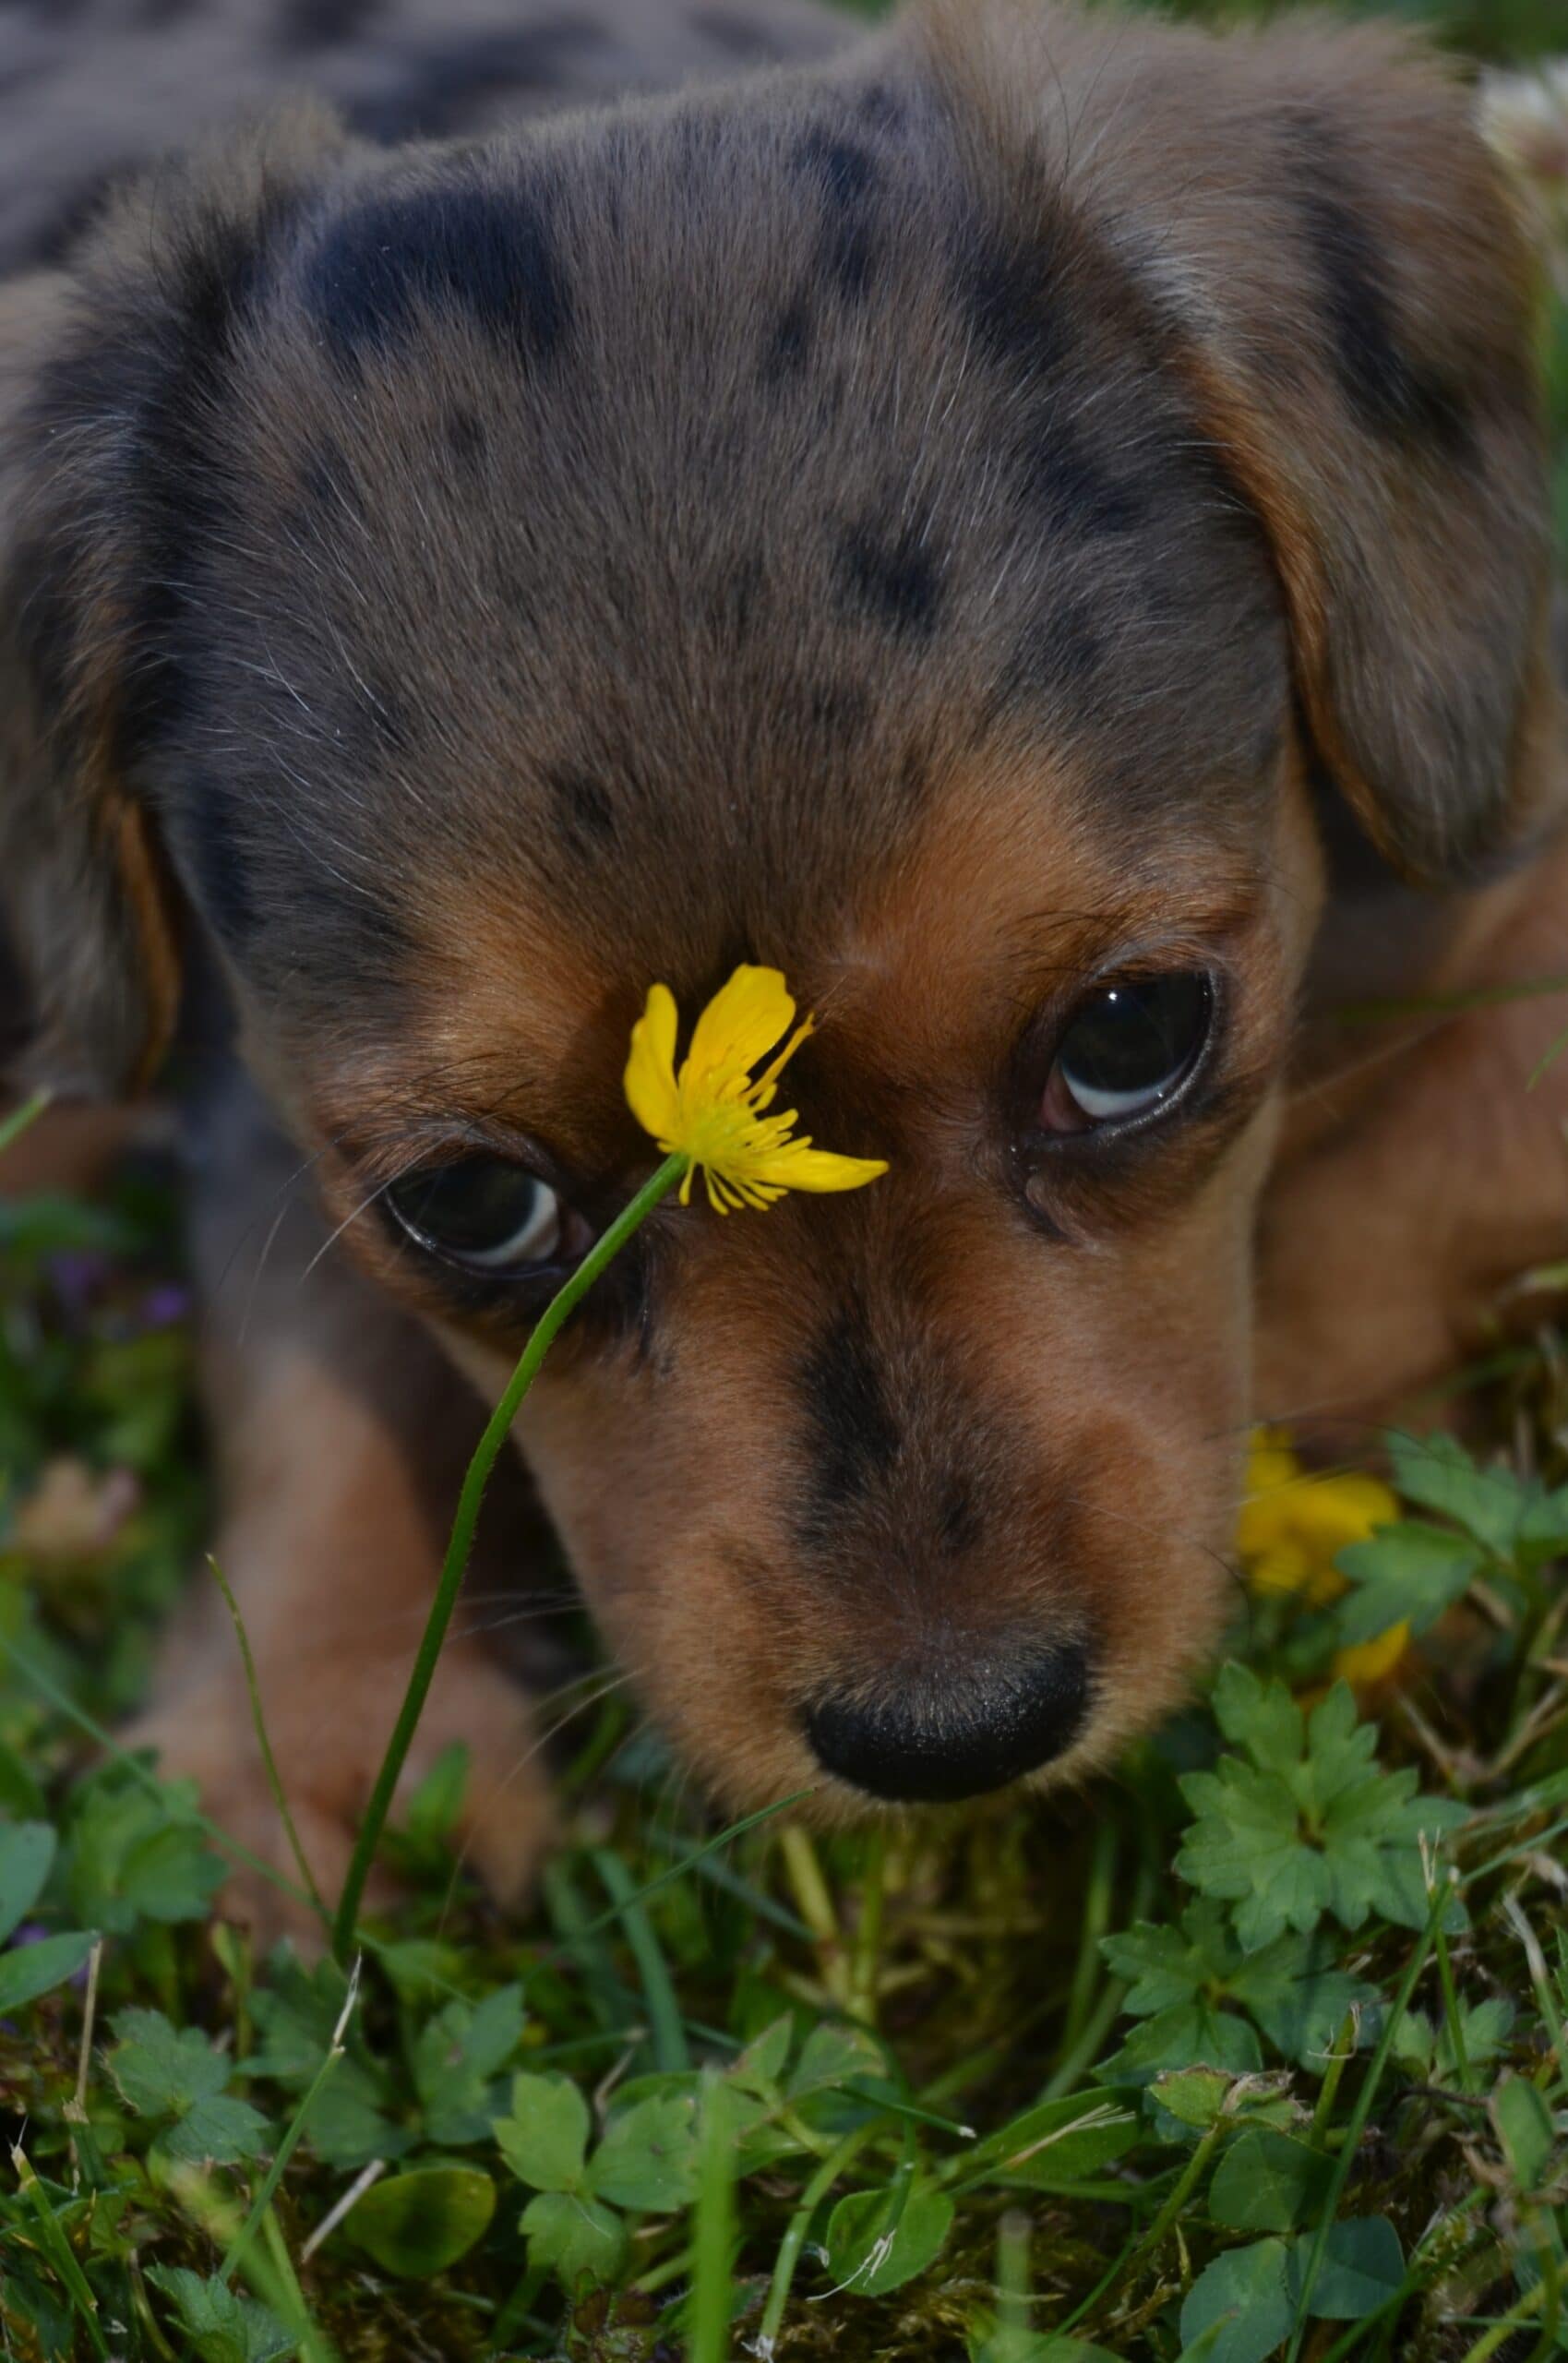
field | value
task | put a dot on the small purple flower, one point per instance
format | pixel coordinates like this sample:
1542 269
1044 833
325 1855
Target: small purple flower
77 1276
164 1307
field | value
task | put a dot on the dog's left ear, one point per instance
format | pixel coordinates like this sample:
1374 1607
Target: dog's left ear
1330 257
113 372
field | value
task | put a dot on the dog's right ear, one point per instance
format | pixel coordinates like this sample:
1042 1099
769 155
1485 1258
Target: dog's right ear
1330 264
111 373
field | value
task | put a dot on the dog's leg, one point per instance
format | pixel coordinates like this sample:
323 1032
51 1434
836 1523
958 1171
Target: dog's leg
341 1435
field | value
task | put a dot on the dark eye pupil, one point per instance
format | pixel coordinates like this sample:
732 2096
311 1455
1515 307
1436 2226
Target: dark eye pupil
480 1207
1134 1042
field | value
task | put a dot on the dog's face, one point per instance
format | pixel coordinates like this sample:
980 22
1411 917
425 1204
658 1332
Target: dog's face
820 527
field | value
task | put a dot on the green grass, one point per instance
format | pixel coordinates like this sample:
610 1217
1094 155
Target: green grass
1262 2054
1227 2055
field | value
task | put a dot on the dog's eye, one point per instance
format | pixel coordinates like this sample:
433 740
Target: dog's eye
485 1214
1127 1050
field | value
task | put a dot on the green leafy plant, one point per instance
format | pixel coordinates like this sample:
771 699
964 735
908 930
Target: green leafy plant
1262 2057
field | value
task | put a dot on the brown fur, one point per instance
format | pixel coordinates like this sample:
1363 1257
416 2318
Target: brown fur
1039 495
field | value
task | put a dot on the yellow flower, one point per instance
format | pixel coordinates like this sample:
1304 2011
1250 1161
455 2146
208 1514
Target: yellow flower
1293 1526
1370 1662
712 1111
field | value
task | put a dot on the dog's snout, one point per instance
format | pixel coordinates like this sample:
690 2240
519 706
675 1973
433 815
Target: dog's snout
921 1739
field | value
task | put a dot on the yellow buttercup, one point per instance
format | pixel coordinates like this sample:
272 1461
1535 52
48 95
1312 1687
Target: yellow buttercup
713 1110
1293 1526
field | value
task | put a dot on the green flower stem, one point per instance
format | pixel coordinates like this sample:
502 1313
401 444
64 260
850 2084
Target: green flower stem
454 1564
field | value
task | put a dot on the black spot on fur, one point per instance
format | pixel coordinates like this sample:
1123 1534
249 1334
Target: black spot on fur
466 438
1017 320
847 175
435 86
488 252
324 24
1062 649
584 810
786 350
959 1517
853 1435
1078 486
878 107
839 712
897 584
1392 391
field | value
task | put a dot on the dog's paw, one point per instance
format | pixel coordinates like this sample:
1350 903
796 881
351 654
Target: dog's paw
329 1724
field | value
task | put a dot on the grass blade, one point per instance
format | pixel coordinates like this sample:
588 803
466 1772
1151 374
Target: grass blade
21 1118
665 2025
711 2285
269 1762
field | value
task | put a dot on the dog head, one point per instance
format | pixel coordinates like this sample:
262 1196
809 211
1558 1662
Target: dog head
921 523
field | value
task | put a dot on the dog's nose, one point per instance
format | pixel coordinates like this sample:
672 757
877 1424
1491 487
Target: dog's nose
927 1741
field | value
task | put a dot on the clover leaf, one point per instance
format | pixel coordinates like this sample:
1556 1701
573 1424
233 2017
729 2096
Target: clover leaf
1180 1975
1428 2052
1297 1993
136 1851
456 2057
545 2140
1300 1822
879 2239
421 2224
222 2327
296 2017
572 2235
648 2158
177 2078
1249 2298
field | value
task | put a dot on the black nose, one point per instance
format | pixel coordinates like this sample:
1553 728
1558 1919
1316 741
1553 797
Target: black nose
930 1741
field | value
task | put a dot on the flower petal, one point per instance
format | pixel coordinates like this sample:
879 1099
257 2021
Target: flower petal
1367 1661
798 1166
650 1068
739 1026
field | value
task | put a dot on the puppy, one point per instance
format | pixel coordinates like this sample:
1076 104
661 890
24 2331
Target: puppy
1031 521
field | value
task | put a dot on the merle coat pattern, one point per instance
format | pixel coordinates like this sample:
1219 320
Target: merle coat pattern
1021 499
